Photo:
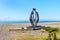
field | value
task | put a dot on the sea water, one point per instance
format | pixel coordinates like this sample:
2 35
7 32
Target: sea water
22 22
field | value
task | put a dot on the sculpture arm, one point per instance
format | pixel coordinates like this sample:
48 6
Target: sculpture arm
31 16
37 16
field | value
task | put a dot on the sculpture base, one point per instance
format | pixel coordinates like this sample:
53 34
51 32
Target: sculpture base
35 27
28 28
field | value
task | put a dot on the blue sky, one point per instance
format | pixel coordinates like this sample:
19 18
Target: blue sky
18 10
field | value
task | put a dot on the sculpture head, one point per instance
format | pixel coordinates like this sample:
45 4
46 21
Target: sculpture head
34 9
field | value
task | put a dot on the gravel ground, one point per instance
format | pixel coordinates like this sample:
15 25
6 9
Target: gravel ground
5 34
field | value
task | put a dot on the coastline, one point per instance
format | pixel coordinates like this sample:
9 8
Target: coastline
47 24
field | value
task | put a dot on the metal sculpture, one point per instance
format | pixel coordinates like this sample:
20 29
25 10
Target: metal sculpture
34 17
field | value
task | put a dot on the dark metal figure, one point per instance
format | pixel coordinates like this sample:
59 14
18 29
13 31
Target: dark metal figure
34 17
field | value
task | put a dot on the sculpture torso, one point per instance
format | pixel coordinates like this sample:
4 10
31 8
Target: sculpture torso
34 17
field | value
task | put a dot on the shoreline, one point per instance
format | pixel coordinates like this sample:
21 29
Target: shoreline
50 24
27 22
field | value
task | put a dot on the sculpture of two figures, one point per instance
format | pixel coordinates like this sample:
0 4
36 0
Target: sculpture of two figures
34 17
